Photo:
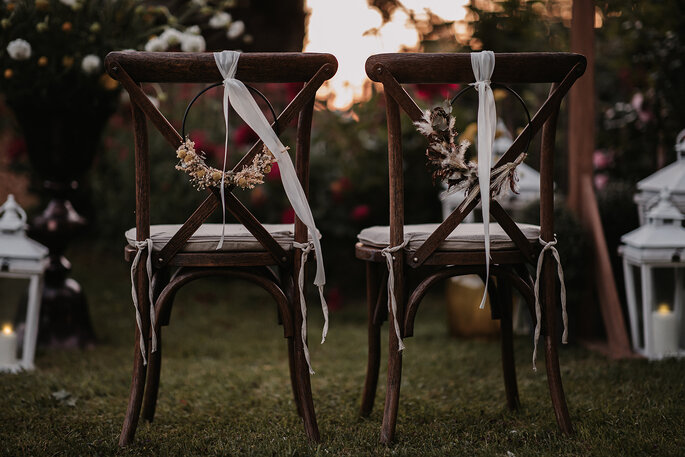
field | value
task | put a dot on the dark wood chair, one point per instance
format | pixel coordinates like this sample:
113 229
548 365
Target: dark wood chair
432 259
268 261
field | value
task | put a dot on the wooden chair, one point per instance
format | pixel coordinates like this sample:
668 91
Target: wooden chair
434 259
249 259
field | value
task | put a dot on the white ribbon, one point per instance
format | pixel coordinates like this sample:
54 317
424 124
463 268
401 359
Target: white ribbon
140 247
306 249
392 300
245 106
483 64
548 246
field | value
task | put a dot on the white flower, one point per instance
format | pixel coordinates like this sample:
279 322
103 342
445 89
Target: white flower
192 43
235 30
90 64
219 20
171 36
193 30
19 49
71 3
156 44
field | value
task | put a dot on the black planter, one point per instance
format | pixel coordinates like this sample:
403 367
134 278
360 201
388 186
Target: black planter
62 139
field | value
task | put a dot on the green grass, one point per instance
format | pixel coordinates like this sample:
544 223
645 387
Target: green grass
225 388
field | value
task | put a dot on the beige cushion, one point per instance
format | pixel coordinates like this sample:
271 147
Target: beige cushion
466 237
206 238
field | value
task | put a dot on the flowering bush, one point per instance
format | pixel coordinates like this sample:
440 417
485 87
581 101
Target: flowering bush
47 46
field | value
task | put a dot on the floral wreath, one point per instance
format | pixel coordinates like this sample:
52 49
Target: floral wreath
446 157
203 176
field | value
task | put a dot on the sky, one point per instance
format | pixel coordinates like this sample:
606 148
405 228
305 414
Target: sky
338 27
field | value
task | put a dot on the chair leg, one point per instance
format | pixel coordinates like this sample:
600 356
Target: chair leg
135 398
374 340
504 296
304 392
293 376
556 390
154 368
392 396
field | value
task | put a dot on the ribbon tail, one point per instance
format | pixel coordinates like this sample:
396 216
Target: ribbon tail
324 308
223 173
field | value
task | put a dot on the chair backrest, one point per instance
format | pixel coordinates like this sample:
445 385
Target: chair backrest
393 70
132 68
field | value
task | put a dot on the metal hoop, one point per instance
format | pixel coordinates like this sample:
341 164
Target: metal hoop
510 90
261 95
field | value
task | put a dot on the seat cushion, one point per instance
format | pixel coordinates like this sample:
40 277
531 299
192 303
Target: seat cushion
466 237
206 238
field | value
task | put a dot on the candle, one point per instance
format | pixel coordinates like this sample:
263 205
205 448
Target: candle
665 325
8 346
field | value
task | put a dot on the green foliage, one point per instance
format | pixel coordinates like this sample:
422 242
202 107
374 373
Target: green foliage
640 84
518 26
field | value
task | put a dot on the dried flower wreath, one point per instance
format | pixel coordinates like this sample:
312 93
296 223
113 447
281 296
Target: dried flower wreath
446 157
203 176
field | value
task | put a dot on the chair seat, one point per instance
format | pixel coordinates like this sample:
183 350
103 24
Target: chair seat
206 238
466 237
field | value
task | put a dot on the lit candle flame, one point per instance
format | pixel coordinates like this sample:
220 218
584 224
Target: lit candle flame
664 309
6 329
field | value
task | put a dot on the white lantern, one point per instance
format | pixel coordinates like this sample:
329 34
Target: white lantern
20 258
654 267
671 177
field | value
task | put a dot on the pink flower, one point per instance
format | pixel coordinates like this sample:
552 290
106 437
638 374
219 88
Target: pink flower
429 92
360 213
274 174
288 216
601 180
602 159
212 150
244 135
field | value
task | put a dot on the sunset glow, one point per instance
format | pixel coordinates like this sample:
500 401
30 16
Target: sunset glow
339 28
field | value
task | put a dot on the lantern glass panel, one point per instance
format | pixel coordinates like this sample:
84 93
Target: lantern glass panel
13 294
663 287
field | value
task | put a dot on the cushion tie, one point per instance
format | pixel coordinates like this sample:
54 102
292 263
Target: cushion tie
548 246
140 247
306 249
483 64
392 301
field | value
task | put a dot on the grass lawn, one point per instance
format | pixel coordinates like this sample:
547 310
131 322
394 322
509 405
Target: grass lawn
225 388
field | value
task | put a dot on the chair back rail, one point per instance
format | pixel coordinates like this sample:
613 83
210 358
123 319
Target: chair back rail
132 68
179 67
524 67
560 69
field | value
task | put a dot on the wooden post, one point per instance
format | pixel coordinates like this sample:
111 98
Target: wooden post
581 196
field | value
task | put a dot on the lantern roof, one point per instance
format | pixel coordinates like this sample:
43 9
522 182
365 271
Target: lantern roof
671 176
663 230
14 244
